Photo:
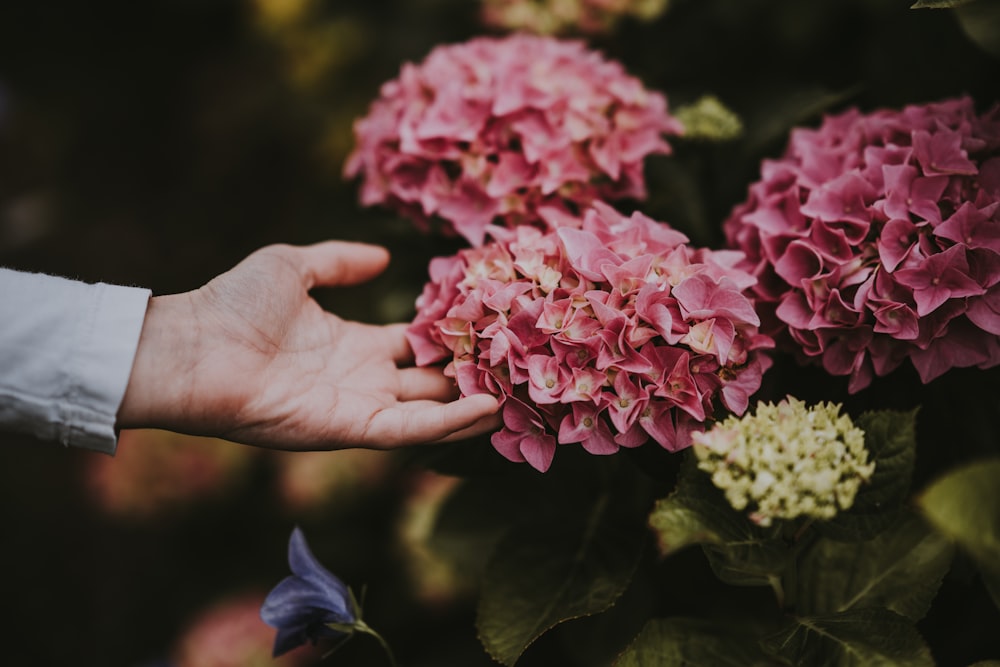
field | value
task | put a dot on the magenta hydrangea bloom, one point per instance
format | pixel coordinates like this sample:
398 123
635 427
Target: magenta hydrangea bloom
876 239
605 331
490 130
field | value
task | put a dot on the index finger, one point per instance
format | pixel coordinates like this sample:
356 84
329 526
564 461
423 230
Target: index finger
419 422
333 263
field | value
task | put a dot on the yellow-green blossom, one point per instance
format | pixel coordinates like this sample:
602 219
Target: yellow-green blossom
707 118
550 17
787 460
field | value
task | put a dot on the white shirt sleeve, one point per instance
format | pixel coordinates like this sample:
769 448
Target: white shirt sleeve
66 353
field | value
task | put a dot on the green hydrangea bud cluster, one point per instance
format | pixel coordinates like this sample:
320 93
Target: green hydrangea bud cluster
787 460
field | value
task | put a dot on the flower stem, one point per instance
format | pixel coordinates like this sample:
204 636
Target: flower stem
361 626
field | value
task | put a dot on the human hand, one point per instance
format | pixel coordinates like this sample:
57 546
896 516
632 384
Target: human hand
252 357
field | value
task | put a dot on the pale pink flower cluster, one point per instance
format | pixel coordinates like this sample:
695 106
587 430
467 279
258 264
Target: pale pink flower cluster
230 633
558 16
604 331
156 472
489 130
876 239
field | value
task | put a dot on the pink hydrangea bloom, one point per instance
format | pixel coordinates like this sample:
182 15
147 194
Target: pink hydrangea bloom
876 239
489 130
606 331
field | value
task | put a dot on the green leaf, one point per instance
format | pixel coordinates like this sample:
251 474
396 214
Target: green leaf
981 23
939 4
860 637
692 513
965 506
739 551
708 119
755 560
891 442
687 642
901 570
770 122
680 522
597 640
474 517
543 574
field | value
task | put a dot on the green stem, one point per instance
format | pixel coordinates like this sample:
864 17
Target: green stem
799 539
778 588
361 626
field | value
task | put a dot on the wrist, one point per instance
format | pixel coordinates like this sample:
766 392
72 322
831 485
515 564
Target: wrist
157 390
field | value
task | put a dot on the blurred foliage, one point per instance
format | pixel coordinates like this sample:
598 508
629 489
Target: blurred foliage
158 143
964 504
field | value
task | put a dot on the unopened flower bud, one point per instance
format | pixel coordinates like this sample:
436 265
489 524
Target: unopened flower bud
786 460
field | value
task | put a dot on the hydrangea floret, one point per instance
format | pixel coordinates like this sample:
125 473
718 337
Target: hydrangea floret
489 130
549 17
786 460
605 331
876 239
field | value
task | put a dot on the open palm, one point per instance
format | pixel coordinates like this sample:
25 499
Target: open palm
262 363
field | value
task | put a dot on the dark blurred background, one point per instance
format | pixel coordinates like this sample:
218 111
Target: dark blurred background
158 143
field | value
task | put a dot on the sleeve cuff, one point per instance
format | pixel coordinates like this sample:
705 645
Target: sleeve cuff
106 350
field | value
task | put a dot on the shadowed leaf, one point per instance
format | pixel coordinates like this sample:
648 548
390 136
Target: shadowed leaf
677 642
696 512
857 638
891 442
475 516
939 4
543 574
900 570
